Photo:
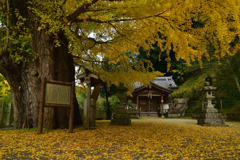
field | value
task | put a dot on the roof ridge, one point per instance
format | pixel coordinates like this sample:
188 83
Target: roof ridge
163 77
166 82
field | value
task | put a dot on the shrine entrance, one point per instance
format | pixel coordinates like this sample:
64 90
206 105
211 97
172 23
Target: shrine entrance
149 107
154 100
153 106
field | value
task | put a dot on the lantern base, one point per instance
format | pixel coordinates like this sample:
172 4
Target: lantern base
121 118
210 119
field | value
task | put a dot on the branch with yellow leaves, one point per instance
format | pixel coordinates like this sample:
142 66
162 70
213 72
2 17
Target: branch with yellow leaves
89 19
80 10
83 9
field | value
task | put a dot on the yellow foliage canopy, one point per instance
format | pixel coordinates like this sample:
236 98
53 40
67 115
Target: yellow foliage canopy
109 29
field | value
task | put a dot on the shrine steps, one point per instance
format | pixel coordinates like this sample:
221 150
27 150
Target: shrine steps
149 114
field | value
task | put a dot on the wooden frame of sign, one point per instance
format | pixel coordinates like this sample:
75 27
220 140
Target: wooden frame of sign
56 94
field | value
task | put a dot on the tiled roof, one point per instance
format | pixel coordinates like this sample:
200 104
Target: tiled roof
138 85
165 82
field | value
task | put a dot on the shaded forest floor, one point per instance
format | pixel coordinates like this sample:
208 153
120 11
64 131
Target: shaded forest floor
149 138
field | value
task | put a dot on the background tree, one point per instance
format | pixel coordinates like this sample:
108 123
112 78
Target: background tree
159 63
80 95
227 79
107 93
42 39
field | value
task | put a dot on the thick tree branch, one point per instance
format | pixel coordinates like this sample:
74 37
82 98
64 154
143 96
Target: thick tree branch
80 10
64 2
120 20
7 37
99 21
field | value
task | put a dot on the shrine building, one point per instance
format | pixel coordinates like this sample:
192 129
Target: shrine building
152 98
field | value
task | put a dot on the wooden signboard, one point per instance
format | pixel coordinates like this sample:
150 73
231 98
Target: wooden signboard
56 94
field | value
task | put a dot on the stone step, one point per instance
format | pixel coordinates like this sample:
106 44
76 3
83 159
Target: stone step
147 114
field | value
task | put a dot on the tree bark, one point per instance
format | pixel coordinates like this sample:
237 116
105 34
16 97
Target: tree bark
53 63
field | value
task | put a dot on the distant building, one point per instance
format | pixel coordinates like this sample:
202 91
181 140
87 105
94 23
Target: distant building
152 98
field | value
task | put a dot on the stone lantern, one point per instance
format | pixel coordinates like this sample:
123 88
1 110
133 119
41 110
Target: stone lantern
210 115
121 116
210 96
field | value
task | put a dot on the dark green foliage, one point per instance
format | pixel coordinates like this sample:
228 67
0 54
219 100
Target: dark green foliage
80 98
224 78
107 93
159 62
228 73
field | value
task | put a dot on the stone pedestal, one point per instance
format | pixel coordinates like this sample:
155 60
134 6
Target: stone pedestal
133 113
121 116
210 119
210 115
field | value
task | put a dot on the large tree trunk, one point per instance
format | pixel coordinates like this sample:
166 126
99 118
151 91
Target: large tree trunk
53 63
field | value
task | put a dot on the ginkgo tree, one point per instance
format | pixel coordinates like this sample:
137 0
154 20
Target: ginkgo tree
45 39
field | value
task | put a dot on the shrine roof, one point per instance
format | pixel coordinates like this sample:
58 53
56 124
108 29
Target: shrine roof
165 82
95 80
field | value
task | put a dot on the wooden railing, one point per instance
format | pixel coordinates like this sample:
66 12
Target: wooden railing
6 114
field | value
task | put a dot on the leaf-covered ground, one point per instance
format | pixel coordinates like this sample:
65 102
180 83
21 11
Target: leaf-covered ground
149 138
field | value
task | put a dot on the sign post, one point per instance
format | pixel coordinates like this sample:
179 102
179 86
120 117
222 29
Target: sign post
56 94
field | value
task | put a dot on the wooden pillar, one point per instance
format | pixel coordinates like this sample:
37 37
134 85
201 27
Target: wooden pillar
159 107
10 114
149 107
72 108
94 96
87 110
2 112
93 113
41 107
138 109
162 106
